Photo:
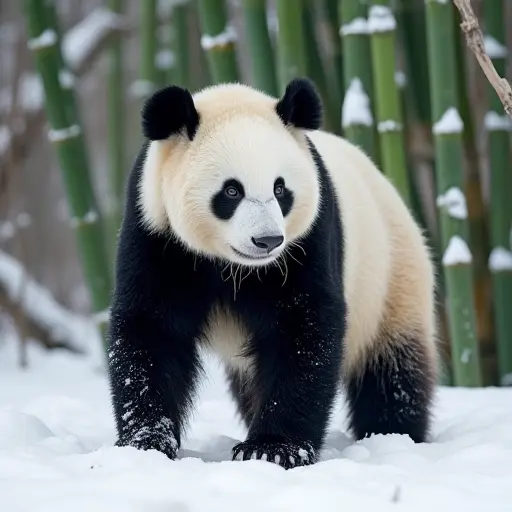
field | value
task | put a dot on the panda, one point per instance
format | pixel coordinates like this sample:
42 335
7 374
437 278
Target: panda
251 232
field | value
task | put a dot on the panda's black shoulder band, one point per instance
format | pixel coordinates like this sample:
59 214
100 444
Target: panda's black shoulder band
301 105
168 112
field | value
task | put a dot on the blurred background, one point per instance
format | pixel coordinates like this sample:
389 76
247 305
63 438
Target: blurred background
396 78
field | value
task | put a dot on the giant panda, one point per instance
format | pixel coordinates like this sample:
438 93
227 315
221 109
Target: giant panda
250 231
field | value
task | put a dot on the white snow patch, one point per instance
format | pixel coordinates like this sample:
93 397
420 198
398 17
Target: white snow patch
224 38
457 252
356 106
500 260
381 19
454 202
506 380
46 39
450 122
63 134
493 122
66 79
466 356
389 126
57 454
357 26
89 218
400 79
79 41
142 88
494 48
165 59
62 324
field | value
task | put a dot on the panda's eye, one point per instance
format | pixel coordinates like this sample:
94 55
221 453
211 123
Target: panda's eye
279 188
232 191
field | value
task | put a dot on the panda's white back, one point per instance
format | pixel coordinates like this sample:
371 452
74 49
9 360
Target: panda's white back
388 274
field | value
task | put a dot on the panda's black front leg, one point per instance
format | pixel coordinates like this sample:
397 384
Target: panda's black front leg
297 374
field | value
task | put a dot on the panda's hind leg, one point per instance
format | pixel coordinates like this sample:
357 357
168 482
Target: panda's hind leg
389 388
239 390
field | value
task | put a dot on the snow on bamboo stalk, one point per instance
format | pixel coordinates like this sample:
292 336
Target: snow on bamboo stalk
66 134
260 46
498 126
218 41
116 132
382 27
291 41
457 258
357 117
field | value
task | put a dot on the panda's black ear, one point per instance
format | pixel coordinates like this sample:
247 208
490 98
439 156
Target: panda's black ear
167 112
301 105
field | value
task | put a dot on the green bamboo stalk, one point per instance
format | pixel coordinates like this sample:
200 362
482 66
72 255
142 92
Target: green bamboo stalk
291 43
116 131
457 258
149 73
357 116
315 68
498 126
260 46
66 134
218 41
334 70
382 27
180 73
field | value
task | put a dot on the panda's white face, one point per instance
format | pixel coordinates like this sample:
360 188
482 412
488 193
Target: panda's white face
241 190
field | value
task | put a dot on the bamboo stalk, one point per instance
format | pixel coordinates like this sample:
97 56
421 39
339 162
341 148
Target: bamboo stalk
116 131
498 128
382 27
180 47
218 41
149 75
291 44
357 115
457 257
260 45
66 134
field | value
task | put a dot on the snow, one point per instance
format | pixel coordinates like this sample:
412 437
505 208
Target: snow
493 122
454 202
457 252
381 19
63 134
165 59
357 26
494 48
142 88
400 79
450 122
5 138
224 38
389 126
356 106
79 41
57 453
500 260
63 324
47 38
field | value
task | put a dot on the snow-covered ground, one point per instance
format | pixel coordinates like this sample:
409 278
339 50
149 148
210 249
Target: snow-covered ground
56 454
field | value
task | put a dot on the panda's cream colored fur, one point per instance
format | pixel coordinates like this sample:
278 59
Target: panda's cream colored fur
285 250
388 274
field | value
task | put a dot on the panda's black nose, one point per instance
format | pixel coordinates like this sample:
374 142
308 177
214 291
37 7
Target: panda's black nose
269 243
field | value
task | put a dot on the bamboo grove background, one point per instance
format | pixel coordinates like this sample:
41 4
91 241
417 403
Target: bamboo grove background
396 78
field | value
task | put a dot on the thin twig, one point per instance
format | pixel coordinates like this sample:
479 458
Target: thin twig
475 41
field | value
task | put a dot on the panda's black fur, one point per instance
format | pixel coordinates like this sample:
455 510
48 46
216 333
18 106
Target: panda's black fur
162 298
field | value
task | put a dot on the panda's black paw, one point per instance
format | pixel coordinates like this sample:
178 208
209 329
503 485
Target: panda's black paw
287 454
145 439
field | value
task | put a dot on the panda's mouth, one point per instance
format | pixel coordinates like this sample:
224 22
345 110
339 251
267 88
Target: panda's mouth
251 256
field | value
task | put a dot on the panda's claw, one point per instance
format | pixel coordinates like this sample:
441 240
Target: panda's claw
285 454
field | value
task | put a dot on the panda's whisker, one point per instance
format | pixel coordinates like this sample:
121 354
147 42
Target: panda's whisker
299 246
293 257
286 270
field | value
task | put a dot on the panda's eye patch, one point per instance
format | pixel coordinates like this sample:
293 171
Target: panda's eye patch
279 188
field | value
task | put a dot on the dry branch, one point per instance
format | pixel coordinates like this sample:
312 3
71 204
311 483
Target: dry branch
475 41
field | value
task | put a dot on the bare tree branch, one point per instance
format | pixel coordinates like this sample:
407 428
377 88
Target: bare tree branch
475 41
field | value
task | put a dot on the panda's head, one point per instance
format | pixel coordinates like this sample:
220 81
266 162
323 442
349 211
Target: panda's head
229 171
